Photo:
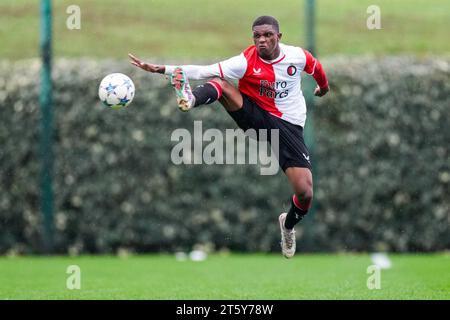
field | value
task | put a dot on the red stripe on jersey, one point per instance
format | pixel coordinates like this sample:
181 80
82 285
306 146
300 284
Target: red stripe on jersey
221 72
310 62
314 68
258 81
279 60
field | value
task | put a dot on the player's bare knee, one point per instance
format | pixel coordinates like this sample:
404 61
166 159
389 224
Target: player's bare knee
304 193
305 197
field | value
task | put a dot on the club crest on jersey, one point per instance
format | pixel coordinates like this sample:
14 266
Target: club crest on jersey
291 70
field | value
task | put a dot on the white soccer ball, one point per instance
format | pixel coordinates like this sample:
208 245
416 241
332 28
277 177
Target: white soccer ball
116 90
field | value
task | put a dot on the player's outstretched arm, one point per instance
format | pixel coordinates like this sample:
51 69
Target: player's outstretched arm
233 68
314 68
154 68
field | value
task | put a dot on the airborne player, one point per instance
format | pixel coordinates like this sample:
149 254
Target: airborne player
268 96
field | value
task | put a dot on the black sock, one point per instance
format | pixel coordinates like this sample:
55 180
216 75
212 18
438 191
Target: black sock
294 215
205 94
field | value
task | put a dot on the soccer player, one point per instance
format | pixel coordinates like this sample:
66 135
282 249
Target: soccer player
268 96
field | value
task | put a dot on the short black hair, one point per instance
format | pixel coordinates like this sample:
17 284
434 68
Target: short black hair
266 20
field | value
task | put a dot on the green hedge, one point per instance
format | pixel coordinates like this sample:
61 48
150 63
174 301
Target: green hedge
381 153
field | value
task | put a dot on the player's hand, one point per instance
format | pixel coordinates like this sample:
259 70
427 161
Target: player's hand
146 66
320 92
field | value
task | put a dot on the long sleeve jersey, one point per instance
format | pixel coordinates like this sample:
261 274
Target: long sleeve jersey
274 85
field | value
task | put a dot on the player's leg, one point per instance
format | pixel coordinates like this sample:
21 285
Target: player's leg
302 183
231 97
294 159
207 93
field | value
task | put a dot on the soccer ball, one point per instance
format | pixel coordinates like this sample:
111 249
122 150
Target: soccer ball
116 90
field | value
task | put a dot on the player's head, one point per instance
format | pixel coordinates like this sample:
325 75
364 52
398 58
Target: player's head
266 36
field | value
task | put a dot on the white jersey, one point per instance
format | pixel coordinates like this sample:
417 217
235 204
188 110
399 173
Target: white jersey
274 85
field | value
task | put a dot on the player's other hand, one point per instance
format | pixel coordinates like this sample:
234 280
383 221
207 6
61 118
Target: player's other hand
146 66
320 92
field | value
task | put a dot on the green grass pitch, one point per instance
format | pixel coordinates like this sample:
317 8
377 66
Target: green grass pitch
235 276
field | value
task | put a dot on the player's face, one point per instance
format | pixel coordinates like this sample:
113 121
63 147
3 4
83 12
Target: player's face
266 39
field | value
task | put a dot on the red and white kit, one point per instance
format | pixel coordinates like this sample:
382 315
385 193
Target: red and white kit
274 85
